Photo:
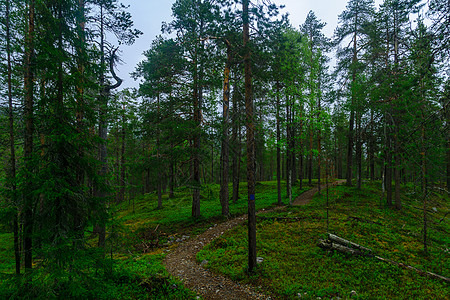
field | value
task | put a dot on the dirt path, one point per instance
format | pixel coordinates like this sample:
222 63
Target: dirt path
181 262
307 196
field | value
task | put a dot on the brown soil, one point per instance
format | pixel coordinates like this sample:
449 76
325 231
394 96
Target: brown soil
181 262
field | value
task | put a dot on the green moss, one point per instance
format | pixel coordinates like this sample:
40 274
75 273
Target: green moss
293 263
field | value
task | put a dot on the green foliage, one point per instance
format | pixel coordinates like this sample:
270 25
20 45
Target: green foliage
175 216
124 278
293 264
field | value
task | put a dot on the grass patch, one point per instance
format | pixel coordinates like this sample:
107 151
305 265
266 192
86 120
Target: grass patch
294 265
135 235
175 219
125 278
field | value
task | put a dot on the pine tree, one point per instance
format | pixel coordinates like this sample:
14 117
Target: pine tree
351 24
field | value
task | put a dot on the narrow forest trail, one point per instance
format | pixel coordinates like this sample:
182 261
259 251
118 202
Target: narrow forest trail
181 261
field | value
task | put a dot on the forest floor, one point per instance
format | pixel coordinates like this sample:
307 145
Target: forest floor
181 262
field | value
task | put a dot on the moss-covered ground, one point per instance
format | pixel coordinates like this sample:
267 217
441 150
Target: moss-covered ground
138 235
294 266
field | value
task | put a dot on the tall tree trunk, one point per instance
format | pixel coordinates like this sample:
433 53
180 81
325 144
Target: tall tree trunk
236 145
250 140
352 112
12 172
102 130
171 179
301 159
196 147
388 164
58 209
224 193
359 148
288 148
310 155
397 177
424 187
278 145
293 146
160 168
447 116
319 137
103 122
28 140
371 149
448 163
79 97
122 158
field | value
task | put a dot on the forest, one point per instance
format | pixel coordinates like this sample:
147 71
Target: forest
251 154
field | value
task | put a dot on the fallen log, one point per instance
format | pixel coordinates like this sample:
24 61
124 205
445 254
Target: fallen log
421 272
327 244
344 246
347 243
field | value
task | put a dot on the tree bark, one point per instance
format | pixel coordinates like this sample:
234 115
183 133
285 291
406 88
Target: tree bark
196 148
224 193
28 140
310 155
12 172
288 148
371 149
280 202
359 148
388 165
123 158
236 146
250 140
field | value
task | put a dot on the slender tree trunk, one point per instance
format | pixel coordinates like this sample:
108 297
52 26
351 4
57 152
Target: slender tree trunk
310 156
448 164
103 122
388 165
196 148
397 177
172 179
359 148
224 193
340 162
293 146
319 139
280 202
288 148
160 167
79 97
12 139
424 189
28 140
250 141
236 146
102 130
58 209
352 113
371 149
301 161
122 159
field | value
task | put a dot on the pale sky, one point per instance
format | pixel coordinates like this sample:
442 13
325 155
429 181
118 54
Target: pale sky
148 16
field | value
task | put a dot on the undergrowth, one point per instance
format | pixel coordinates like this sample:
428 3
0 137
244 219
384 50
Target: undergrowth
137 236
293 266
